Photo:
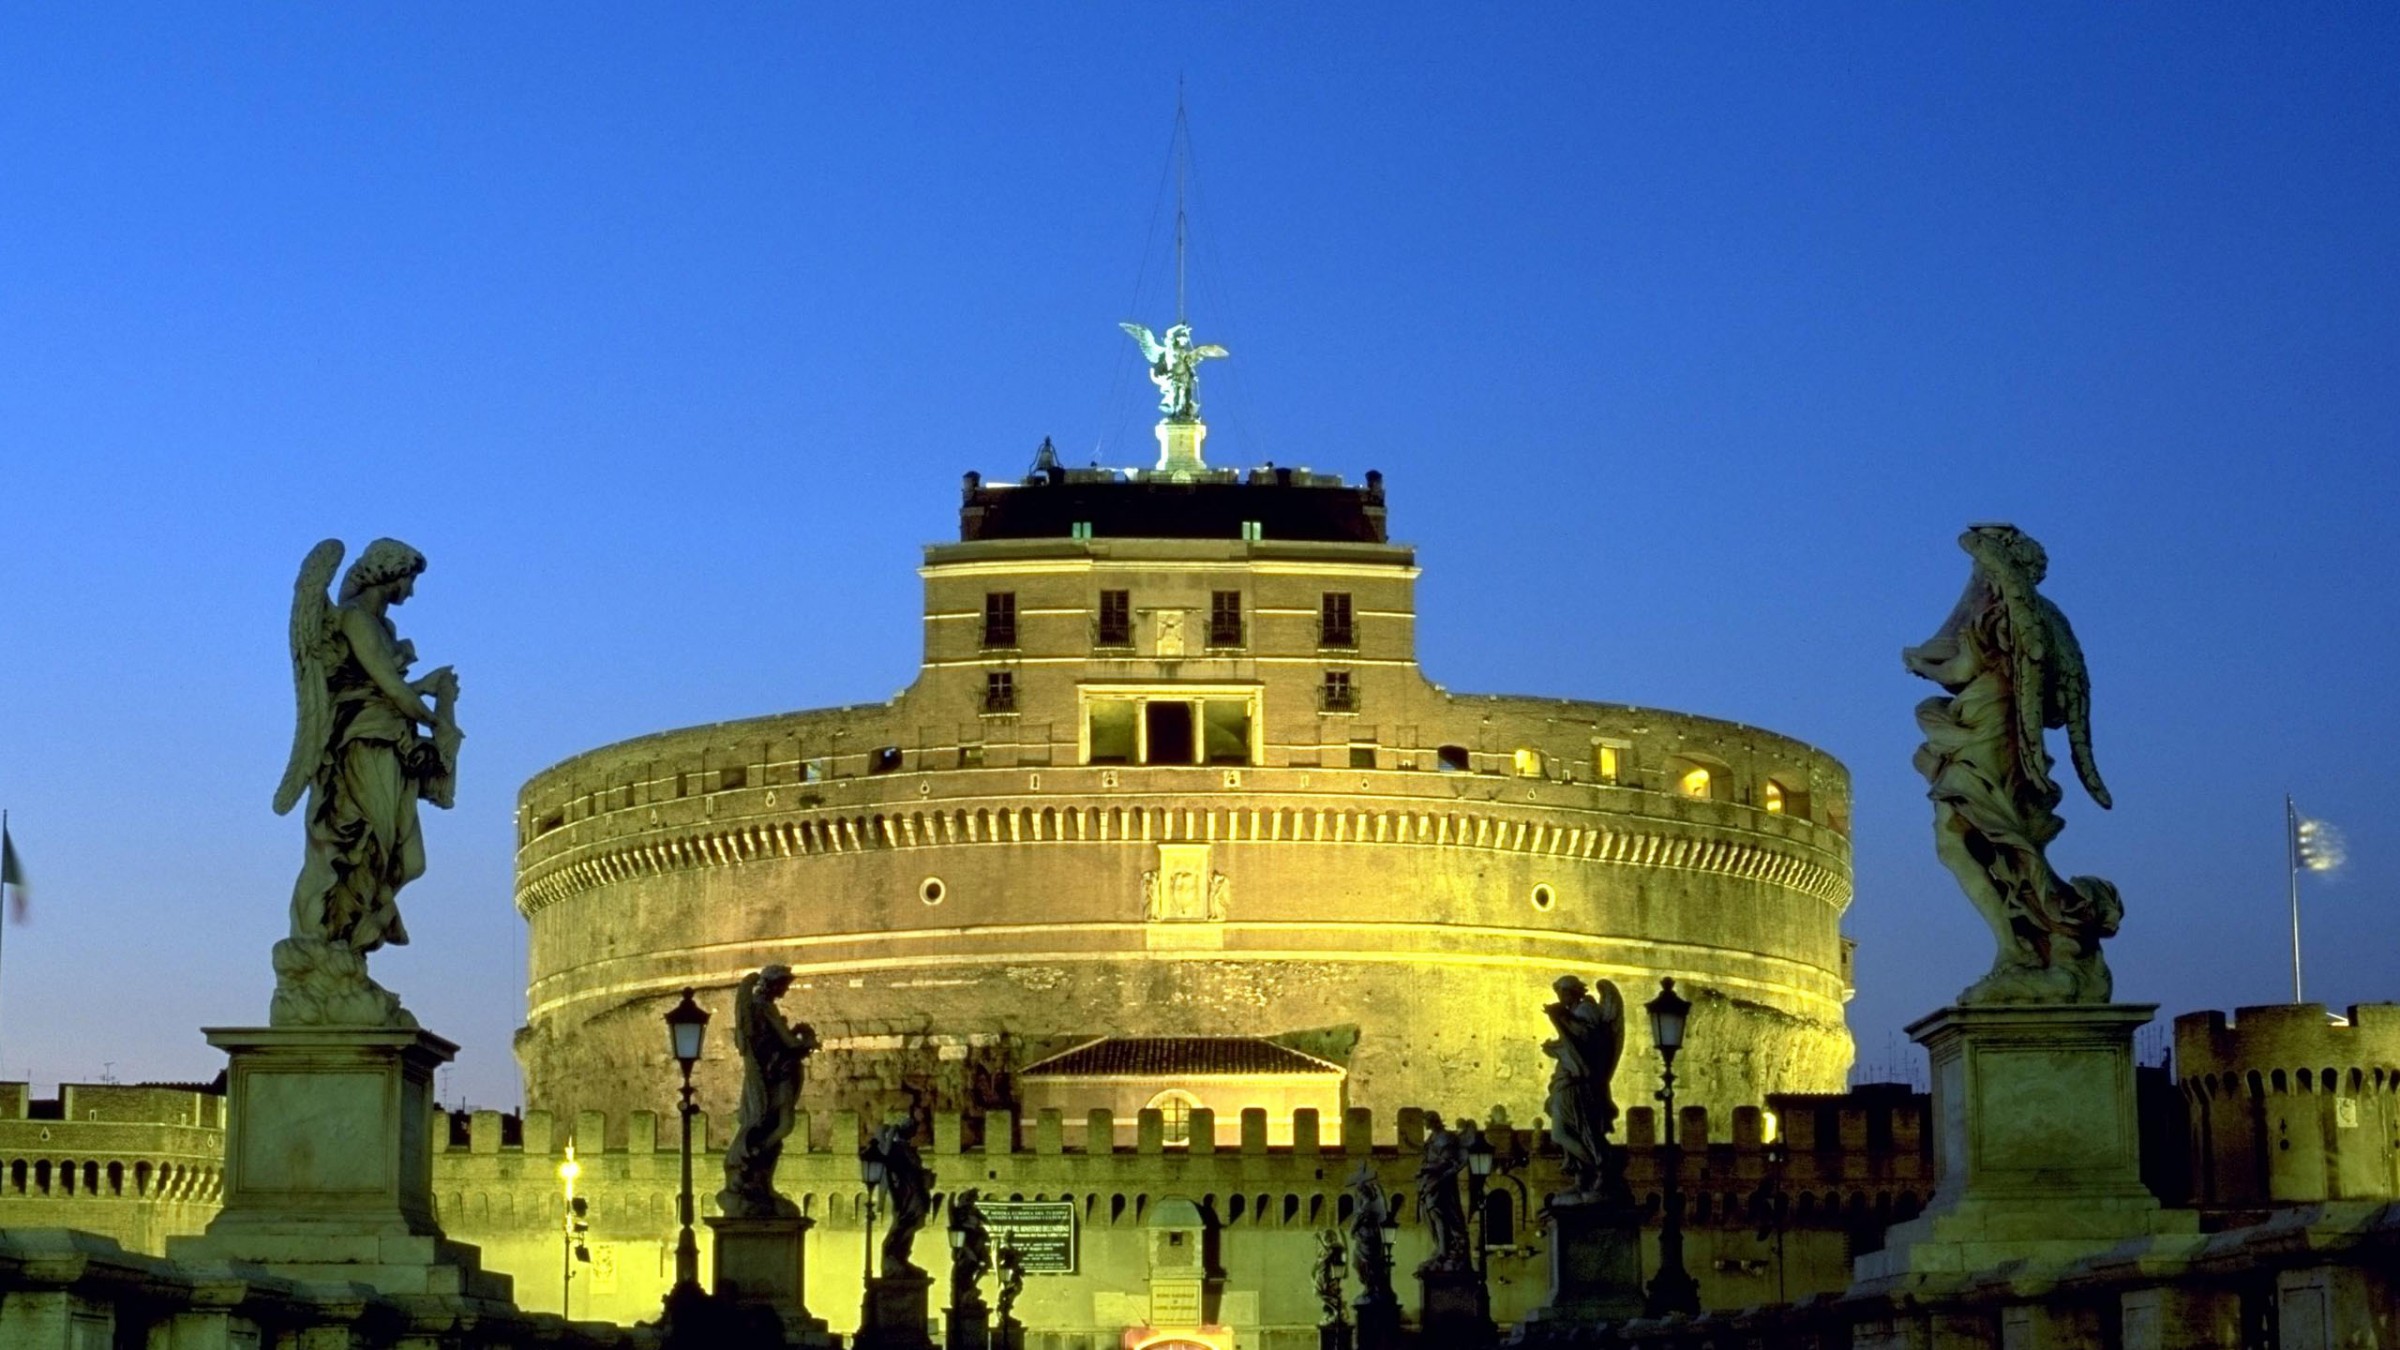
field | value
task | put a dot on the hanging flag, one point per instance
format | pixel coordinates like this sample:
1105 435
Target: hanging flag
12 876
2318 846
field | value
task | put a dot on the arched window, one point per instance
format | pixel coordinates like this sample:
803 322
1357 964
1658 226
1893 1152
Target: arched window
1694 781
1499 1218
1785 795
1529 762
1174 1107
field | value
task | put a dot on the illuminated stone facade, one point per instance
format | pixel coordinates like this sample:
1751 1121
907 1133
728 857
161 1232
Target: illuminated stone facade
136 1163
1170 769
2290 1106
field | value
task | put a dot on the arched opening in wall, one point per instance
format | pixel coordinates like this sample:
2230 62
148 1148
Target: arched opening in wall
16 1176
1784 795
1174 1107
1500 1219
1703 780
883 759
116 1178
41 1176
1453 759
1527 762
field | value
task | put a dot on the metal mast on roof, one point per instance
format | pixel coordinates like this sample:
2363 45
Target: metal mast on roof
1183 154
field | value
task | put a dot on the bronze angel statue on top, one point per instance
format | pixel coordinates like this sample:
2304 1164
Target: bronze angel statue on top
2010 670
370 743
1175 367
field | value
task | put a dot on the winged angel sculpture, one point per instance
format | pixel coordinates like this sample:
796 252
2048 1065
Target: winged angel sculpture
1590 1041
2011 669
1175 367
370 743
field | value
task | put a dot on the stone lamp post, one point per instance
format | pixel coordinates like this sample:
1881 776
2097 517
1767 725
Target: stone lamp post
687 1029
1481 1157
1673 1290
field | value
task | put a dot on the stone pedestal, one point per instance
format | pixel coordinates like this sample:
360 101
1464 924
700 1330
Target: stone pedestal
1451 1309
895 1313
967 1328
2036 1151
1333 1336
329 1162
763 1263
1179 446
1378 1317
1595 1261
1010 1335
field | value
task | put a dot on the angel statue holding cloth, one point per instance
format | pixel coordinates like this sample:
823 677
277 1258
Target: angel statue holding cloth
370 743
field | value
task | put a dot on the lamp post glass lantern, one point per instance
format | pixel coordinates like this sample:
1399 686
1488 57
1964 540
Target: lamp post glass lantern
687 1030
1673 1290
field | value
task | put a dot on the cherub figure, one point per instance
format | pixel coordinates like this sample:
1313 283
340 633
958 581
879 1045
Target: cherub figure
2010 669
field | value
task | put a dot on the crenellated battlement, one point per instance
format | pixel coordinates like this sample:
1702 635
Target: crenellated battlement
1867 1151
2289 1047
2290 1105
135 1162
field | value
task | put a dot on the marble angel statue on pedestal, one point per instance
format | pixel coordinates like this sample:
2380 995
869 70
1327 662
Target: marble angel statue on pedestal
370 743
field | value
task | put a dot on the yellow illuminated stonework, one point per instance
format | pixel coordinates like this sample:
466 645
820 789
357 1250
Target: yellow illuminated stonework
1221 800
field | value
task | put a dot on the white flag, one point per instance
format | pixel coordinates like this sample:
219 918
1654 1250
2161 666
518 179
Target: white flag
2319 845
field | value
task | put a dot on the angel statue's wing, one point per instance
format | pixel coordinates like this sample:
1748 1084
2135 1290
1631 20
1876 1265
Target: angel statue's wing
310 615
2067 698
1612 1022
1210 349
2025 642
1149 340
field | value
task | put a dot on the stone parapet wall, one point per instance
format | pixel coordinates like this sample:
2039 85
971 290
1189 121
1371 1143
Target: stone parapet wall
749 770
2288 1105
67 1290
1844 1167
2312 1278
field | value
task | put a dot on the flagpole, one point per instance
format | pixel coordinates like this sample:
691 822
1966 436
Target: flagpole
3 917
2291 854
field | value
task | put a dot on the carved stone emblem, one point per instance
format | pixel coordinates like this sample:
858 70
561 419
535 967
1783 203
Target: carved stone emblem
1182 888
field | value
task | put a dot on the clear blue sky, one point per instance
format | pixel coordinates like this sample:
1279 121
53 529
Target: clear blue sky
1687 341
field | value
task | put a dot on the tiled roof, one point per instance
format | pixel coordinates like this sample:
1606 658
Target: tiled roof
1173 1056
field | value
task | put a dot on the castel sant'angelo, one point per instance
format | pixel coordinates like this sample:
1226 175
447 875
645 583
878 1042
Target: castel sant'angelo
1171 817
